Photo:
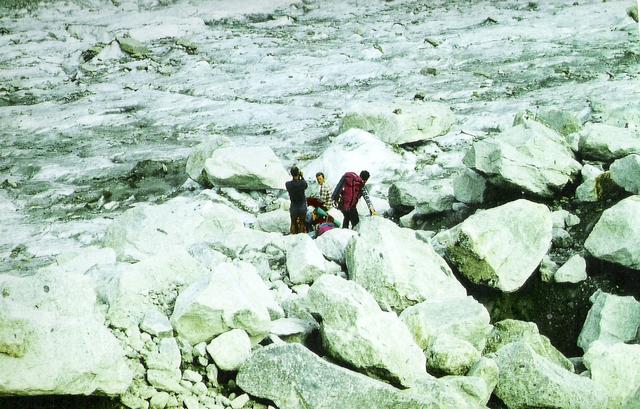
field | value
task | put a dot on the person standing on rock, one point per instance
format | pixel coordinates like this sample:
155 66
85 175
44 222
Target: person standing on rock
298 209
347 193
324 195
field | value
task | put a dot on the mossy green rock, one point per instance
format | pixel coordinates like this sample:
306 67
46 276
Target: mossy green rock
508 331
133 47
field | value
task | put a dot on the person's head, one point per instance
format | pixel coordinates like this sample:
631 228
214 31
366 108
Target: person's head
364 175
295 172
320 178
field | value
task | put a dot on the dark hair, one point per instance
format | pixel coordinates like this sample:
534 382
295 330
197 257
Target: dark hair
295 171
319 174
364 175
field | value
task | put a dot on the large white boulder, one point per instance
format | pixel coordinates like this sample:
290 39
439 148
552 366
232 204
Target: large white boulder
128 289
502 247
396 268
428 197
202 152
625 172
149 229
400 123
607 143
463 318
275 371
333 244
528 380
246 168
614 238
356 331
305 261
615 368
232 296
611 319
528 157
53 340
356 150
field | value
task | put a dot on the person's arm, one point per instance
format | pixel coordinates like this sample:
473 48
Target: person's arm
365 194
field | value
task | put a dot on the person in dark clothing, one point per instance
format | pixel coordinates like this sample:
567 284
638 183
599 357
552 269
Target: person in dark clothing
347 193
298 209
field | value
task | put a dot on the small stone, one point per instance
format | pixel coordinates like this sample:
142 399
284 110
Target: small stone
191 376
191 402
230 350
156 324
159 400
573 271
240 401
203 361
200 349
199 388
212 374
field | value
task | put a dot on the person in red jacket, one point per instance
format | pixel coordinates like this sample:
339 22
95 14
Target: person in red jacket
347 193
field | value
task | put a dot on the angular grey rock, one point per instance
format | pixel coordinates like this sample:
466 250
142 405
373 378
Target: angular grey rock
133 47
612 319
168 356
355 330
508 331
293 377
528 380
625 172
607 143
548 269
305 261
400 123
469 187
230 350
615 368
477 245
614 237
450 355
233 296
245 168
487 370
529 157
463 318
157 324
439 197
277 221
396 268
53 340
573 270
563 122
333 244
202 152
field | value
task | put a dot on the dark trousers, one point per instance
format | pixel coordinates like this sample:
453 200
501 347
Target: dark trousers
298 221
350 215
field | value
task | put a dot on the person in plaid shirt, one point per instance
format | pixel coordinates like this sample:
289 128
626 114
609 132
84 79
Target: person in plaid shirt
325 191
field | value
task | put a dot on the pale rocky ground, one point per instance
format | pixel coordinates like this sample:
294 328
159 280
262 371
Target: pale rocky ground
86 136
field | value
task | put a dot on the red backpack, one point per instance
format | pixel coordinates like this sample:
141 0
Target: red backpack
351 190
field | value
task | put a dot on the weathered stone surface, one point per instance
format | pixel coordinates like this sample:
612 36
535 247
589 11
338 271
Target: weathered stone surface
469 386
615 368
230 350
232 296
248 168
355 330
400 123
167 357
333 244
427 197
615 237
305 261
478 248
463 318
157 324
529 157
450 355
528 380
508 331
461 392
563 122
293 377
487 370
133 47
127 288
469 187
625 172
612 318
149 230
396 268
607 143
573 270
355 150
53 341
202 152
277 221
